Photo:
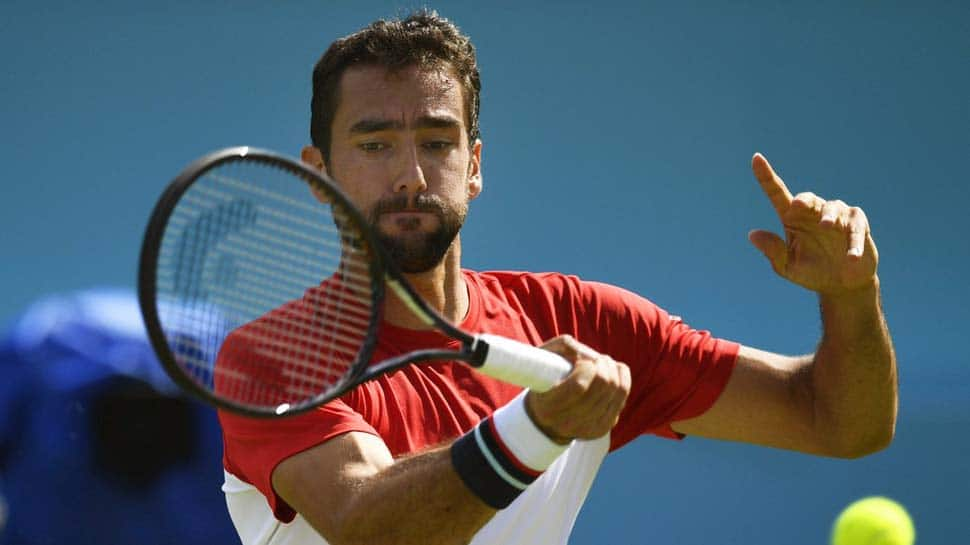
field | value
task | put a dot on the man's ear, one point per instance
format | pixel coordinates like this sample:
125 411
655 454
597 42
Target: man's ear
475 170
313 158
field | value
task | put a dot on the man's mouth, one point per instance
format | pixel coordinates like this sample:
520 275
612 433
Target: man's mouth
401 204
394 214
406 220
401 215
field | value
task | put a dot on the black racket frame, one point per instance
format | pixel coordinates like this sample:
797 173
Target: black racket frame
383 272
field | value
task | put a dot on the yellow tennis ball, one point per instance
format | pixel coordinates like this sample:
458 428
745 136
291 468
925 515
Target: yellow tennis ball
873 521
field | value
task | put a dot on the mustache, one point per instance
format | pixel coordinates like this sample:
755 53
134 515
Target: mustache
405 203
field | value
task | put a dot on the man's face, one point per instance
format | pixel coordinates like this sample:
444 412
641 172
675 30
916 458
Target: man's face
400 150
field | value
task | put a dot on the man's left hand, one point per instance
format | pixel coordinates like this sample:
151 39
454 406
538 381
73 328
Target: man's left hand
827 247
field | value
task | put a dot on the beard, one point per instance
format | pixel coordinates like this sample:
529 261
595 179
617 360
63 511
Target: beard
414 251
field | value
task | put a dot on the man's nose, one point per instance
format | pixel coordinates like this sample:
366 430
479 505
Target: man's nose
410 175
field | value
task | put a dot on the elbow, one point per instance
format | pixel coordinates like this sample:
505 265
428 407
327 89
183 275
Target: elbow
343 523
856 434
860 445
350 526
882 440
861 449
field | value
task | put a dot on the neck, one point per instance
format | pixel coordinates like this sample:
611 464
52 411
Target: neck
442 288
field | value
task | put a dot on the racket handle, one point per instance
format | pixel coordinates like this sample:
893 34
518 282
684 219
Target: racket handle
522 364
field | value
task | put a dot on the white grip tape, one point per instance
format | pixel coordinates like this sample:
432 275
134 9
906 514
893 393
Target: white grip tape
522 364
520 434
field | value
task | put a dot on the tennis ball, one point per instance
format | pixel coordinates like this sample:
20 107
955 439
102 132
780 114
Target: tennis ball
873 521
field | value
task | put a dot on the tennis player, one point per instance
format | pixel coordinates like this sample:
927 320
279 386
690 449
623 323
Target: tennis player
437 453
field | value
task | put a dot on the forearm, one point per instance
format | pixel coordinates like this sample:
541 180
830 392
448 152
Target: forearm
352 491
854 380
446 495
417 500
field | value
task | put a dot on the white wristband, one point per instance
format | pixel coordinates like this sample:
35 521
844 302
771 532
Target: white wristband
524 440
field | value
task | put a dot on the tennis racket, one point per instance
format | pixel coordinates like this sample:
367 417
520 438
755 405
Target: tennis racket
262 291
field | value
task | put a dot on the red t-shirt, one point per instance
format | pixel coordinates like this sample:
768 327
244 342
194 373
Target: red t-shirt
677 374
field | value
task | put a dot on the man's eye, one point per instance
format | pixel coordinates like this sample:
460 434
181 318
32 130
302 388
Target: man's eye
373 146
438 145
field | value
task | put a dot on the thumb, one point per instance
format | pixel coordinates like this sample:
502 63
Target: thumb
772 246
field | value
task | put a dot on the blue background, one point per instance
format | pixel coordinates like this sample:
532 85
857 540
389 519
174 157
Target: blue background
617 145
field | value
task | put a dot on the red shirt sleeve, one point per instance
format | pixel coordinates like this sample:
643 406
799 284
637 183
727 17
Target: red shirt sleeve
678 372
253 447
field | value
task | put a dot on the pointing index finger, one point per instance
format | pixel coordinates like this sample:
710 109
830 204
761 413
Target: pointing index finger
773 186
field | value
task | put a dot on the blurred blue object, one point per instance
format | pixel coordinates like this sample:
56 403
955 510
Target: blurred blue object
97 445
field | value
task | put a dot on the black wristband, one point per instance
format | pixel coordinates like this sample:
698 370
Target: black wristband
487 469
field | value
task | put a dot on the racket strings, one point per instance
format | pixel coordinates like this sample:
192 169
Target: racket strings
261 246
251 255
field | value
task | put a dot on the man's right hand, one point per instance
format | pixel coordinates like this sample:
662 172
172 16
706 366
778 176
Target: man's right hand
586 404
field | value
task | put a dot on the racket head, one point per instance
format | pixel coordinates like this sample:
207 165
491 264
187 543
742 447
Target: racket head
250 244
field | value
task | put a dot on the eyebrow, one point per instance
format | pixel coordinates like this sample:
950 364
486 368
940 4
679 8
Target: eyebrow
365 126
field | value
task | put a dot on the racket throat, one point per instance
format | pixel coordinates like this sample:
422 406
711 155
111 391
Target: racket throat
410 301
478 351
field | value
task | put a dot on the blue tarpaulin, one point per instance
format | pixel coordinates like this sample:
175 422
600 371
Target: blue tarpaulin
97 445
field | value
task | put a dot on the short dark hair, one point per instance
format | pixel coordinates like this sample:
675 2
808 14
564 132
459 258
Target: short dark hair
423 39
